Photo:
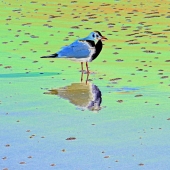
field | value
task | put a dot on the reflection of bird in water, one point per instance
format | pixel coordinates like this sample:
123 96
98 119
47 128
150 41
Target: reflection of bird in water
82 50
80 94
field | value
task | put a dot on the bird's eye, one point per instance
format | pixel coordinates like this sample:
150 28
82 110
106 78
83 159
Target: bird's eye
97 36
93 35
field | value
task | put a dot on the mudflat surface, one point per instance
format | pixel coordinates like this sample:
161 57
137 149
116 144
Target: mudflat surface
46 114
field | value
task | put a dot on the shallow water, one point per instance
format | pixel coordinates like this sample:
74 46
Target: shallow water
130 127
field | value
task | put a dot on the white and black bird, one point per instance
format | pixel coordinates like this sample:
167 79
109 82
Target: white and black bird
82 50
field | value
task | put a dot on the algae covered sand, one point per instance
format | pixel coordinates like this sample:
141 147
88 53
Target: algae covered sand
44 127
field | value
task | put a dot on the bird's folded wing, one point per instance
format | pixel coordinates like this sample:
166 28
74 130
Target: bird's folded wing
78 49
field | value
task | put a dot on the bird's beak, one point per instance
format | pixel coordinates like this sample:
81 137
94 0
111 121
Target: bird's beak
104 38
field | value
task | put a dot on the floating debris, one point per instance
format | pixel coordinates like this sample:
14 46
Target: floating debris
141 164
71 138
120 101
75 27
22 163
106 156
4 158
164 77
53 165
115 79
138 95
149 51
29 157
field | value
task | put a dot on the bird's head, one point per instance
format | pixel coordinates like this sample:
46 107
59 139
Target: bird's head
96 35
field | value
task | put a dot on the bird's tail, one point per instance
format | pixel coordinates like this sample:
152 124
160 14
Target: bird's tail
50 56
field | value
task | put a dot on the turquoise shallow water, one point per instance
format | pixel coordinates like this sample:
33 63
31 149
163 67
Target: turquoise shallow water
121 135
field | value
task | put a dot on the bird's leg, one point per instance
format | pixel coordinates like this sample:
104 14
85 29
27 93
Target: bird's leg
81 76
87 68
81 66
87 78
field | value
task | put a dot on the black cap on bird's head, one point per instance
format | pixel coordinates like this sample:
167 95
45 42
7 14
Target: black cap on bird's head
98 33
95 36
101 36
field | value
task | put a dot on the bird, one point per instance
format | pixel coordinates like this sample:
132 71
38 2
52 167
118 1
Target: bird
83 49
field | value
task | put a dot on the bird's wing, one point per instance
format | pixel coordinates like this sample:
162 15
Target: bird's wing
78 49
